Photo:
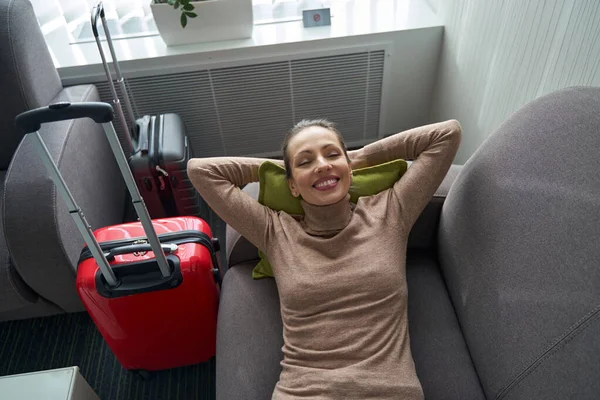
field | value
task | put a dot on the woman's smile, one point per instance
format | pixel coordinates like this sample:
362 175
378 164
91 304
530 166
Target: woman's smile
327 183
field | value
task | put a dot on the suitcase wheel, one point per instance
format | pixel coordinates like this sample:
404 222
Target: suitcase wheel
141 374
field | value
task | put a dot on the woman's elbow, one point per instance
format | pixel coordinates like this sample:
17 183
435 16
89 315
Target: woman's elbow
195 169
454 130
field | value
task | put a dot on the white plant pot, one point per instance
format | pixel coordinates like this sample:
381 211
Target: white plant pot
216 20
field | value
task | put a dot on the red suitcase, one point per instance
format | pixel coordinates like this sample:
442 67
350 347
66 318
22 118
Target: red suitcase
149 322
151 287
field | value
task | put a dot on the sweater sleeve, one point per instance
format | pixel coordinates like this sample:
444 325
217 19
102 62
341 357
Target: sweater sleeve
218 180
432 148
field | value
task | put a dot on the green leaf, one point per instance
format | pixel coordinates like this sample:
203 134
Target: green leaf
171 2
176 4
188 7
186 2
183 20
191 14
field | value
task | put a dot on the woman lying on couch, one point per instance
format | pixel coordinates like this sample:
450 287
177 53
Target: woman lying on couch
343 297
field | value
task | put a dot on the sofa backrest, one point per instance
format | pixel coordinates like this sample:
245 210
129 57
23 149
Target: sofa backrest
519 246
28 77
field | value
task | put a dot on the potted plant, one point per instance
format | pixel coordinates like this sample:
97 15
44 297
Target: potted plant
186 6
193 21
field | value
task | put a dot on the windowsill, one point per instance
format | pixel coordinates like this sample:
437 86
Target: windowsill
349 21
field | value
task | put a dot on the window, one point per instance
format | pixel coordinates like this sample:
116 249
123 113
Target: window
133 18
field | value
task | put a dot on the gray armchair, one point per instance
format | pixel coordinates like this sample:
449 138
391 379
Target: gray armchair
39 242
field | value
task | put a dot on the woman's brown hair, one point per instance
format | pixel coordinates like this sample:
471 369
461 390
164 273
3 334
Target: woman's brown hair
299 127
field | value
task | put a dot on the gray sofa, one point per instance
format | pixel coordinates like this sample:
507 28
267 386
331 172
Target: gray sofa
503 271
39 243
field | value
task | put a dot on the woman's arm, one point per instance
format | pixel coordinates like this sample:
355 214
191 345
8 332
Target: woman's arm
218 180
432 147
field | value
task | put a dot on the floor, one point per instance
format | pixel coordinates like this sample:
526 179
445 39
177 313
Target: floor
73 339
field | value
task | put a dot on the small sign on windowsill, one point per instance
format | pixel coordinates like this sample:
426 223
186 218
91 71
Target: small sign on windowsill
317 17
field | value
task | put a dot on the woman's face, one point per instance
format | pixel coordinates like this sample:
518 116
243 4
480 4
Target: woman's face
320 171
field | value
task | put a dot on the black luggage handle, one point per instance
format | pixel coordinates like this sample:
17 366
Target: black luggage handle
97 11
135 248
31 121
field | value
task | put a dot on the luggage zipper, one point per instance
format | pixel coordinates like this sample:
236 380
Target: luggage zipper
163 237
156 153
165 192
161 178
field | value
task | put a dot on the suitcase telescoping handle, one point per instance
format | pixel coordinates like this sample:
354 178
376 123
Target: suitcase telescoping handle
98 12
30 122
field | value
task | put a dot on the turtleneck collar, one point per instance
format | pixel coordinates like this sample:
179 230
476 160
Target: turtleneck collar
327 220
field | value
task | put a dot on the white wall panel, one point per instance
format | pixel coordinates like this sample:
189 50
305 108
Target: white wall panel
498 55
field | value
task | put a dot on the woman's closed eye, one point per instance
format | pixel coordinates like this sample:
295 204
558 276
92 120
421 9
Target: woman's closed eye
307 161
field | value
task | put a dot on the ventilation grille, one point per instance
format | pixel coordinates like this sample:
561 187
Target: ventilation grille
246 110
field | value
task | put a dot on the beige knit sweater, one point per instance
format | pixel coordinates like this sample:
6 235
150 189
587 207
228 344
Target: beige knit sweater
340 270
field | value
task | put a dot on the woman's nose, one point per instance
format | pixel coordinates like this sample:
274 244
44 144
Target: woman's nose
322 165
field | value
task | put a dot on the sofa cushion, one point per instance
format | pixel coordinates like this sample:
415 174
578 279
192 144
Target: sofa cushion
13 291
249 335
519 246
441 356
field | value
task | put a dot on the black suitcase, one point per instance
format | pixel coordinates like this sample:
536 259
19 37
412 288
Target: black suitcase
158 147
159 166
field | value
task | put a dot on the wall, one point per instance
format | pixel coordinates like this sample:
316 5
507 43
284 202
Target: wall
498 55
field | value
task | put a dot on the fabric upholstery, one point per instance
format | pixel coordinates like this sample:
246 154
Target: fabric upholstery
422 236
441 356
249 335
28 77
518 244
38 308
42 237
553 377
13 291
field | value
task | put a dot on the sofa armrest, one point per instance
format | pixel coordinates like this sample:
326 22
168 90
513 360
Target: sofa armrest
422 236
42 237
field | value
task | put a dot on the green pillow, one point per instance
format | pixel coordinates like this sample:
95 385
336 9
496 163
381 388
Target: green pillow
275 193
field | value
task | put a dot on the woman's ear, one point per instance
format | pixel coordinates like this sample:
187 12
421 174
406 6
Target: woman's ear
293 188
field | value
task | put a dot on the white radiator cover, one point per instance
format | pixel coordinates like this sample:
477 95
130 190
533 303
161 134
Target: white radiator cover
247 109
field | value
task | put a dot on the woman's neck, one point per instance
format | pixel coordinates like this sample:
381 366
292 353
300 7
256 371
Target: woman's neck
327 220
